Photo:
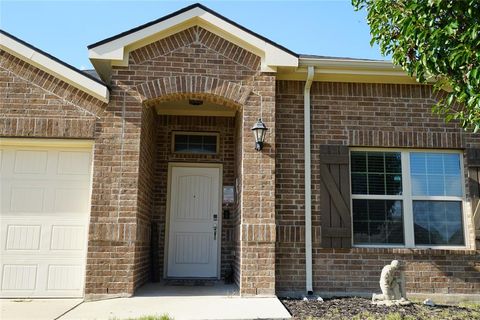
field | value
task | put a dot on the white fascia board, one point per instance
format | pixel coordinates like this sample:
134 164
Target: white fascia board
51 66
117 50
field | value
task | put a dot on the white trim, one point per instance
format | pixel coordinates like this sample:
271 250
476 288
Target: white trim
41 142
408 220
54 68
171 165
407 199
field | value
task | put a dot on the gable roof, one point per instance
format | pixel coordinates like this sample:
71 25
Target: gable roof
115 50
178 12
53 66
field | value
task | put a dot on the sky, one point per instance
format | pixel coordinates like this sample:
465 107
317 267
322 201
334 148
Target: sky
65 28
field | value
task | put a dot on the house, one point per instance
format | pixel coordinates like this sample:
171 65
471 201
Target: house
147 169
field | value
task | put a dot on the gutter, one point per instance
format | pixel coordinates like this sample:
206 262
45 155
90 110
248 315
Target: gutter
350 64
308 181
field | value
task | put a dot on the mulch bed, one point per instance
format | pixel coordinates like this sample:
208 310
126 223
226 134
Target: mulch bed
361 308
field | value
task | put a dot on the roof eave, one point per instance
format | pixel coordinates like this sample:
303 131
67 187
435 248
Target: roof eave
348 70
53 66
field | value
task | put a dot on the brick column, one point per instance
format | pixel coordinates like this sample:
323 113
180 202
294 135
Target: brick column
113 221
258 194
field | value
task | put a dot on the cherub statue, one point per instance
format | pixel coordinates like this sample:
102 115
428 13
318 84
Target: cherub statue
392 287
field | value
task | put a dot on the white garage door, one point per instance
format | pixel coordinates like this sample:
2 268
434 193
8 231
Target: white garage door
45 209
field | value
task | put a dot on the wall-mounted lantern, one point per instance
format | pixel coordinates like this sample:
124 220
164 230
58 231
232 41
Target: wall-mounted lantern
259 131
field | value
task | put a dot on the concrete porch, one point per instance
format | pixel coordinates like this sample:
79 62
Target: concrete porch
218 301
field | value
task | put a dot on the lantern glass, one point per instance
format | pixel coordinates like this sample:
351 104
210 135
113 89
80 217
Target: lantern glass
259 132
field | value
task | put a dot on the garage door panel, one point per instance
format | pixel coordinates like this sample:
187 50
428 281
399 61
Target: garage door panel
71 200
45 195
30 162
68 238
37 237
27 199
64 277
19 277
23 237
74 163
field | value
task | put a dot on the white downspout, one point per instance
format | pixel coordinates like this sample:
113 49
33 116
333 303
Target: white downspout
308 181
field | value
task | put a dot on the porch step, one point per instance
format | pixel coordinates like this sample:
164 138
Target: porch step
192 282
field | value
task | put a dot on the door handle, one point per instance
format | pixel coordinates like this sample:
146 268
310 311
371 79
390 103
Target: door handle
214 232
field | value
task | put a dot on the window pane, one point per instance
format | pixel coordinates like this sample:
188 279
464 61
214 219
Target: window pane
359 183
193 143
452 164
394 184
180 138
377 222
210 139
181 147
210 148
435 185
194 139
453 186
435 174
438 223
434 163
393 163
377 173
419 184
376 162
359 161
417 163
376 184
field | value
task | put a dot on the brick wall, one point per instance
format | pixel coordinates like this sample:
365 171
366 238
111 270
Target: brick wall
146 184
373 115
36 104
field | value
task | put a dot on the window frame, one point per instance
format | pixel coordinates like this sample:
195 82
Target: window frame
196 133
407 198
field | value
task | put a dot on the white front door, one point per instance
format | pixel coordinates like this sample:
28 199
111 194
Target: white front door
194 221
44 216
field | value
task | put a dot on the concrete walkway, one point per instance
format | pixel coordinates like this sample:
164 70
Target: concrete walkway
215 302
38 309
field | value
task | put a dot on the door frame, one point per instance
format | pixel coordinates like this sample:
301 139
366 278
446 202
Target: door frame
172 165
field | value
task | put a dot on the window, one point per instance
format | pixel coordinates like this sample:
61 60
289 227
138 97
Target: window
195 142
407 198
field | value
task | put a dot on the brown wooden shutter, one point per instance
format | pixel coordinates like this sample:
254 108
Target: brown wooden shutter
473 162
335 196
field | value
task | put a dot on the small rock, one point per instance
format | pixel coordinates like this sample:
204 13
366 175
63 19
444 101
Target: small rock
319 299
305 299
429 302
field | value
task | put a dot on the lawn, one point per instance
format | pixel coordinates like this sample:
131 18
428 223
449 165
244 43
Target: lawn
362 309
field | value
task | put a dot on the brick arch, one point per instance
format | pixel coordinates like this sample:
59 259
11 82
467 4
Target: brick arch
213 89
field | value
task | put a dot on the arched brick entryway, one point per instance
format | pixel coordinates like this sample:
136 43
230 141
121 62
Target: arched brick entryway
178 87
204 66
251 227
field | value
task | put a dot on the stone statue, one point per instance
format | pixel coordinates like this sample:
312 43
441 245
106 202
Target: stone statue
393 290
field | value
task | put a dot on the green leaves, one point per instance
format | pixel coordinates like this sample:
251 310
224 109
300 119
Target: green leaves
433 39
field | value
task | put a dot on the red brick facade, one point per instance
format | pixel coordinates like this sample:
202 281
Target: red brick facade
263 236
359 115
